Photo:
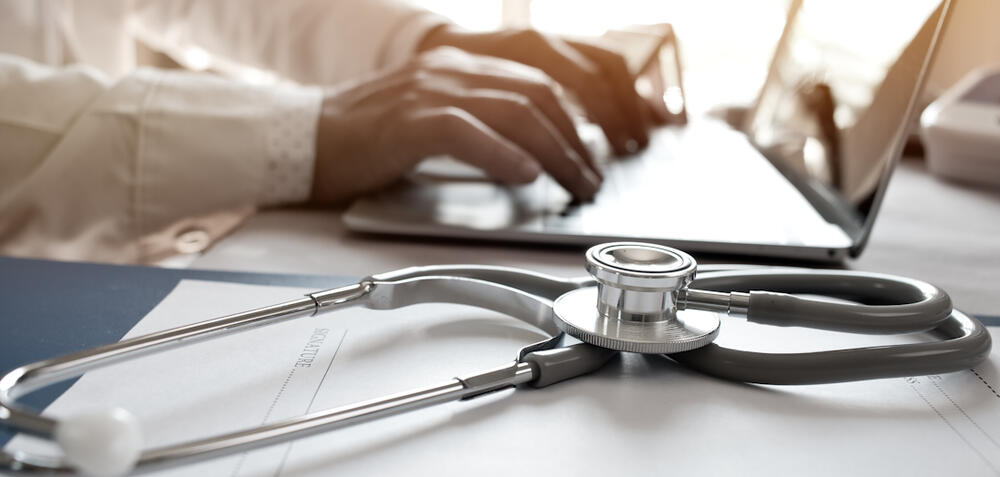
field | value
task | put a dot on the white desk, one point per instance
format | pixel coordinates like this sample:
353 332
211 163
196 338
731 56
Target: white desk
928 229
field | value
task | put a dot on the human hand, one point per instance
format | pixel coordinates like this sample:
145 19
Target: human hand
599 77
501 116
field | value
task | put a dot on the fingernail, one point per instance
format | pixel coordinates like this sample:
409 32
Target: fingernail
632 146
529 170
624 145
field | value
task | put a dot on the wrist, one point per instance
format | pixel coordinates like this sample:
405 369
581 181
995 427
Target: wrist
319 191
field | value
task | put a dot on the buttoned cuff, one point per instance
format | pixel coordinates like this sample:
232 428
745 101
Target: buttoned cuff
206 144
291 146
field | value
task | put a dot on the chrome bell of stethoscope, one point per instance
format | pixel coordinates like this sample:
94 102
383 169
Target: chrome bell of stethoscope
640 287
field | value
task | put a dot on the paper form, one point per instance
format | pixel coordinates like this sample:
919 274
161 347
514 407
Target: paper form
638 416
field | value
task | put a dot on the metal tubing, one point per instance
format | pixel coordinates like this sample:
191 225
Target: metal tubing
36 375
733 303
335 418
394 290
302 426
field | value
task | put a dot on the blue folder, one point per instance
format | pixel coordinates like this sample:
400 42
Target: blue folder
50 308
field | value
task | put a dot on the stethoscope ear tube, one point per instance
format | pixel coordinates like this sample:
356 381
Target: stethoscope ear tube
781 309
880 304
966 343
888 305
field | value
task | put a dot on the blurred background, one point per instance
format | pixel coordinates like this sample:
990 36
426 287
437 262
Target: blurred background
726 45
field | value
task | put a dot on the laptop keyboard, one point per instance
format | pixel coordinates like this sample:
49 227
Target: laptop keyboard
702 182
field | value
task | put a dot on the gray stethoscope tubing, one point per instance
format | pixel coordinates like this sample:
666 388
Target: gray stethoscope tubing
894 305
964 342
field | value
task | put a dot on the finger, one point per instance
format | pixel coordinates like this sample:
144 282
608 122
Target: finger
615 69
593 90
542 91
455 132
650 87
513 115
567 66
654 110
515 118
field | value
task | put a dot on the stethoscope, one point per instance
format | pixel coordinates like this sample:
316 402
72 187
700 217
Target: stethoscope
639 297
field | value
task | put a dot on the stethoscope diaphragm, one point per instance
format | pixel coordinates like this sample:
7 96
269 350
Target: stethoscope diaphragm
634 305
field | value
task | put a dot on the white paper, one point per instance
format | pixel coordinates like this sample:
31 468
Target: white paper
638 416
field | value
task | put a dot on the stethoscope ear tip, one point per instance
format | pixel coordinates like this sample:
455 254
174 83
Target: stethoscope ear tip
101 443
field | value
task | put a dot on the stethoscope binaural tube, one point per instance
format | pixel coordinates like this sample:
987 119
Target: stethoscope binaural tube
885 304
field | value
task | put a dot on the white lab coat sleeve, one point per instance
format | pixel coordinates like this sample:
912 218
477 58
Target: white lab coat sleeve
93 168
308 41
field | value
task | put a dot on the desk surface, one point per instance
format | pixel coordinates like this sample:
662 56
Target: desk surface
941 232
922 216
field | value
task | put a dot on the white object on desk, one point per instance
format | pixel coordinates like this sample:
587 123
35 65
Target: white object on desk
961 130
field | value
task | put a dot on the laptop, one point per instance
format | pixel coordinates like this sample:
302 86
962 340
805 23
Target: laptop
801 176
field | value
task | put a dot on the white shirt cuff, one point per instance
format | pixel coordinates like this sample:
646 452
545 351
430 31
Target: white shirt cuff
291 146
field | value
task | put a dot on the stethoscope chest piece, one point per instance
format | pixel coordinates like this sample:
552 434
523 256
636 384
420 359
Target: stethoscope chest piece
633 308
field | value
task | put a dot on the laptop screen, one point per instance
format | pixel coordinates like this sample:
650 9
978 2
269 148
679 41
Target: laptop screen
833 112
